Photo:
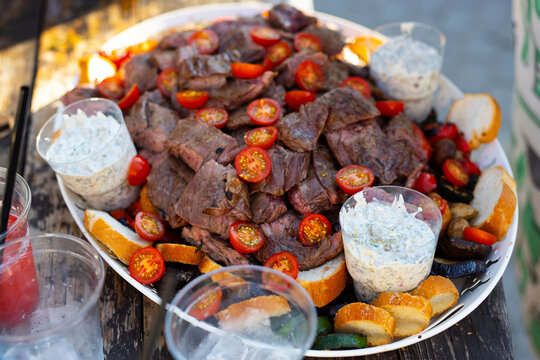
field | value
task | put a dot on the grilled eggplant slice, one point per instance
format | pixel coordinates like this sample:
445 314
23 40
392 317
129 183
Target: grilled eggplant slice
458 269
458 249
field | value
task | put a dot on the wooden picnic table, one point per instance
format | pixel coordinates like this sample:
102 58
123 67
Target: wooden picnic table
40 43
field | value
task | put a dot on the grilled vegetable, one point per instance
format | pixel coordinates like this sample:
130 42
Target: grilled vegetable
339 341
443 149
456 227
463 210
453 193
458 269
324 325
459 249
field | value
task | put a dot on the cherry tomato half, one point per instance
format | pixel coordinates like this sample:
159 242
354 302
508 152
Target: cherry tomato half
309 76
149 226
117 56
455 173
462 144
354 178
206 41
111 88
284 262
479 236
297 98
264 111
263 137
306 41
192 99
166 81
216 117
253 164
246 70
146 265
390 107
419 134
470 166
436 132
265 36
245 237
276 54
313 229
425 183
130 98
141 48
208 304
441 203
359 84
139 168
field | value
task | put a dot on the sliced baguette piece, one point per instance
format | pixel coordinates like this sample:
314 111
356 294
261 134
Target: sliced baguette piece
144 200
412 313
120 239
440 291
375 323
324 283
495 198
478 116
181 253
206 265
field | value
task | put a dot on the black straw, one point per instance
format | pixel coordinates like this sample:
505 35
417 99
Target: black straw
14 152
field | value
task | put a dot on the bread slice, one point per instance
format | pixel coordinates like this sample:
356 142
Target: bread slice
324 283
181 253
120 239
496 200
440 291
145 202
478 116
206 265
358 318
412 313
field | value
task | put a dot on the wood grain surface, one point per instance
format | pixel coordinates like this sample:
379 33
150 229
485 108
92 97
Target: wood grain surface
74 29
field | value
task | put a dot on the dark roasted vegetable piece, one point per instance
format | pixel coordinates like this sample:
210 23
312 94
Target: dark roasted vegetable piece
459 249
339 341
277 322
289 327
456 226
458 269
182 273
453 193
462 210
324 325
443 149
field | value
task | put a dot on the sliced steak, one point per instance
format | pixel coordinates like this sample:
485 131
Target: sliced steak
240 39
266 207
79 92
325 168
196 143
214 199
163 59
287 70
346 106
167 181
301 130
331 40
206 71
213 246
289 18
185 52
239 91
282 235
335 74
275 92
138 70
151 156
174 40
309 196
238 135
239 118
222 28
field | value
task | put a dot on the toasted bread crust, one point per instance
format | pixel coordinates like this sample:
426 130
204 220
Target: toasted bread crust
440 291
185 254
323 291
363 319
145 202
206 265
273 305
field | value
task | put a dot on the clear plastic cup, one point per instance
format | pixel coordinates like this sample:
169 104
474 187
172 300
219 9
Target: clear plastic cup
49 290
389 237
253 312
94 156
407 65
20 205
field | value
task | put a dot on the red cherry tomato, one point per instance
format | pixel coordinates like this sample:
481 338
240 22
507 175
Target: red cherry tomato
149 226
479 236
436 132
470 166
309 76
264 111
263 137
146 265
117 56
354 178
313 229
166 81
297 98
111 88
455 173
441 203
135 208
139 168
276 54
206 41
306 41
245 237
265 36
208 305
419 134
246 70
359 84
390 107
216 117
192 99
284 262
130 98
462 144
425 183
253 164
123 217
141 48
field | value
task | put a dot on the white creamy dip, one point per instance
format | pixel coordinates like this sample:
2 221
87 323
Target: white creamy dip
407 70
387 249
92 155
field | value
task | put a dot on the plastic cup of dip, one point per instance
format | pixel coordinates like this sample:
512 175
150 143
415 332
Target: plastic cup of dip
389 236
241 312
20 206
407 65
89 147
57 318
